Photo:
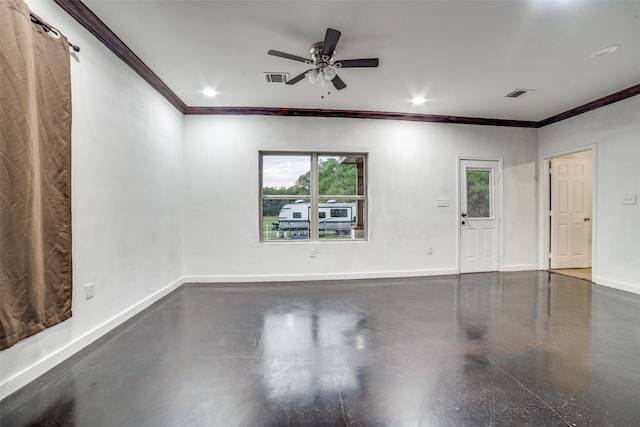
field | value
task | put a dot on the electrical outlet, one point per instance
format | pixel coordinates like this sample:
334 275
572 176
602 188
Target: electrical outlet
442 203
313 253
89 290
430 250
629 199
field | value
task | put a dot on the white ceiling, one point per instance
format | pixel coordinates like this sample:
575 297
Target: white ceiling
463 56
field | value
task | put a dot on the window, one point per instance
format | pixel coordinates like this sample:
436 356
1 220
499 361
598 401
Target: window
479 193
312 196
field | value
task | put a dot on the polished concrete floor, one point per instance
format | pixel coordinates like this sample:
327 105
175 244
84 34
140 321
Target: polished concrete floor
511 349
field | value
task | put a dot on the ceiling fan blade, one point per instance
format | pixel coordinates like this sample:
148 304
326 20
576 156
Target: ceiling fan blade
330 42
354 63
297 78
288 56
338 83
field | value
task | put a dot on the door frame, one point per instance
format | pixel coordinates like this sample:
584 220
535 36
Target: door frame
545 206
498 207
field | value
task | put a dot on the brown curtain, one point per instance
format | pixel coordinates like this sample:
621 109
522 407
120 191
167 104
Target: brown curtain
35 176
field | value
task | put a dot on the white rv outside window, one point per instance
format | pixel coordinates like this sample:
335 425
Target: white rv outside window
312 196
339 213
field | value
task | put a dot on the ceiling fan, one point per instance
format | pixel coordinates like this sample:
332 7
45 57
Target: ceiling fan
324 62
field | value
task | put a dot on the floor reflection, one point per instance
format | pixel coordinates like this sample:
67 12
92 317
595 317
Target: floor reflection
550 336
309 352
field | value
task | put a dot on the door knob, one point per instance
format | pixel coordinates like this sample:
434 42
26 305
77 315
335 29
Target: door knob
464 215
463 222
587 219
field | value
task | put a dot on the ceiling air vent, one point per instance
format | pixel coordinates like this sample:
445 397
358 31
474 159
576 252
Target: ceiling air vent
276 77
517 93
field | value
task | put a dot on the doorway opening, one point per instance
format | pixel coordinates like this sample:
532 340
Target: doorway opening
569 224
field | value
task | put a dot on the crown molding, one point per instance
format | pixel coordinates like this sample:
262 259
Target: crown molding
355 114
85 17
593 105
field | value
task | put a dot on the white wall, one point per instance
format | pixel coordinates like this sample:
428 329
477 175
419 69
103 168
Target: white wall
614 131
411 165
127 201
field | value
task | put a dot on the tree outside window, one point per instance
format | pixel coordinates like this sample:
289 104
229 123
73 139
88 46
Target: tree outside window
479 194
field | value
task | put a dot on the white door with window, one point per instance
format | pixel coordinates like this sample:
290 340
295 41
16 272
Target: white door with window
570 213
479 216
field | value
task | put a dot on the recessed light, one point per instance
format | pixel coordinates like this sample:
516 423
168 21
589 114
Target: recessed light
209 92
419 100
604 52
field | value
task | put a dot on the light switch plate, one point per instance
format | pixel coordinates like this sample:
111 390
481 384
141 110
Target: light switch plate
89 290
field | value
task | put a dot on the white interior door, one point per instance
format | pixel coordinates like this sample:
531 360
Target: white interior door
479 216
570 213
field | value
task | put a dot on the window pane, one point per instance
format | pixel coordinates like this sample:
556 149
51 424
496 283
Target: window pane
283 174
285 219
478 194
337 175
338 219
341 175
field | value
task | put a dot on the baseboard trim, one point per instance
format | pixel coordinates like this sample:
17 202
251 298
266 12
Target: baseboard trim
32 372
520 267
622 286
316 276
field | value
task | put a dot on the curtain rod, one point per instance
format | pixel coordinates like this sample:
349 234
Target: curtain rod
48 29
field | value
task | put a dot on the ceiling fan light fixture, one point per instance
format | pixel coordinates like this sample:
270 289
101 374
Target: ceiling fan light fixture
329 73
312 75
